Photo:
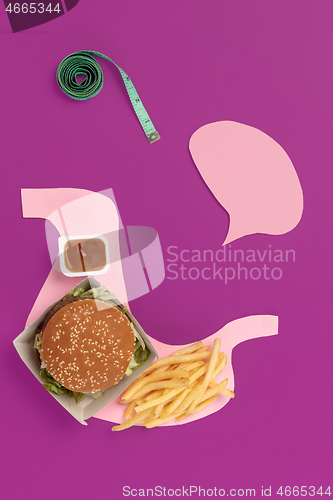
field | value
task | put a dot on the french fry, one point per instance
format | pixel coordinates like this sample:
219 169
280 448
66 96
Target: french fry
150 396
221 364
177 359
158 400
187 350
196 396
129 410
208 375
228 393
159 421
198 373
162 384
167 368
199 407
153 395
192 394
212 362
160 369
159 408
173 405
203 349
186 366
191 366
218 388
153 377
136 419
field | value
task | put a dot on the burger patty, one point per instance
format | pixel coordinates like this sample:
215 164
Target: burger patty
56 308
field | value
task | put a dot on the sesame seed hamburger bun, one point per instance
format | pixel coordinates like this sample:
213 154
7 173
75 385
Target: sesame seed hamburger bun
87 345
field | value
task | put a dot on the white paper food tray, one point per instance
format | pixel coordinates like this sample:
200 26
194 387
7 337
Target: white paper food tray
24 344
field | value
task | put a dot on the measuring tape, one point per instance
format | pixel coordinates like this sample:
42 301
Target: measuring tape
83 64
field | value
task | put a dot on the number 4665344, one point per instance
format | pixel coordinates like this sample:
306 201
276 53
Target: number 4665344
303 491
32 8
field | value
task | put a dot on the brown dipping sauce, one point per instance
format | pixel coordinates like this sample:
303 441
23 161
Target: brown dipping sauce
85 255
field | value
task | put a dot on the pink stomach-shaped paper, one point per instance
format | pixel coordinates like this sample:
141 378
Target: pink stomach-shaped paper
231 335
45 204
251 176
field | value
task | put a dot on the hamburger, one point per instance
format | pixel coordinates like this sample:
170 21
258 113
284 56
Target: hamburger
86 345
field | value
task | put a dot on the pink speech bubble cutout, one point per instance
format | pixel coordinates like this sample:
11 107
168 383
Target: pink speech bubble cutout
251 176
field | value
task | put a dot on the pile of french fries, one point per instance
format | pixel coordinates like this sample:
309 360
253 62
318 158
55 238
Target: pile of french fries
175 387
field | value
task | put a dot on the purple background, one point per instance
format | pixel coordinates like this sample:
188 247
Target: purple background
263 63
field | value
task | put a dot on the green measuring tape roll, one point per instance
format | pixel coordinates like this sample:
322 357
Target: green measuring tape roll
83 64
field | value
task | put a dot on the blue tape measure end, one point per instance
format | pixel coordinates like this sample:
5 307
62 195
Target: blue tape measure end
154 136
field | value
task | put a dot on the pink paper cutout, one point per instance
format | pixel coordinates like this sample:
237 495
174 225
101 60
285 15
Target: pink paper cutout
54 204
46 204
73 212
40 203
251 176
232 334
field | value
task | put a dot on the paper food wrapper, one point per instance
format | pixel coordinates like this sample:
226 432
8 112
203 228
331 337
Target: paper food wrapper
24 344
